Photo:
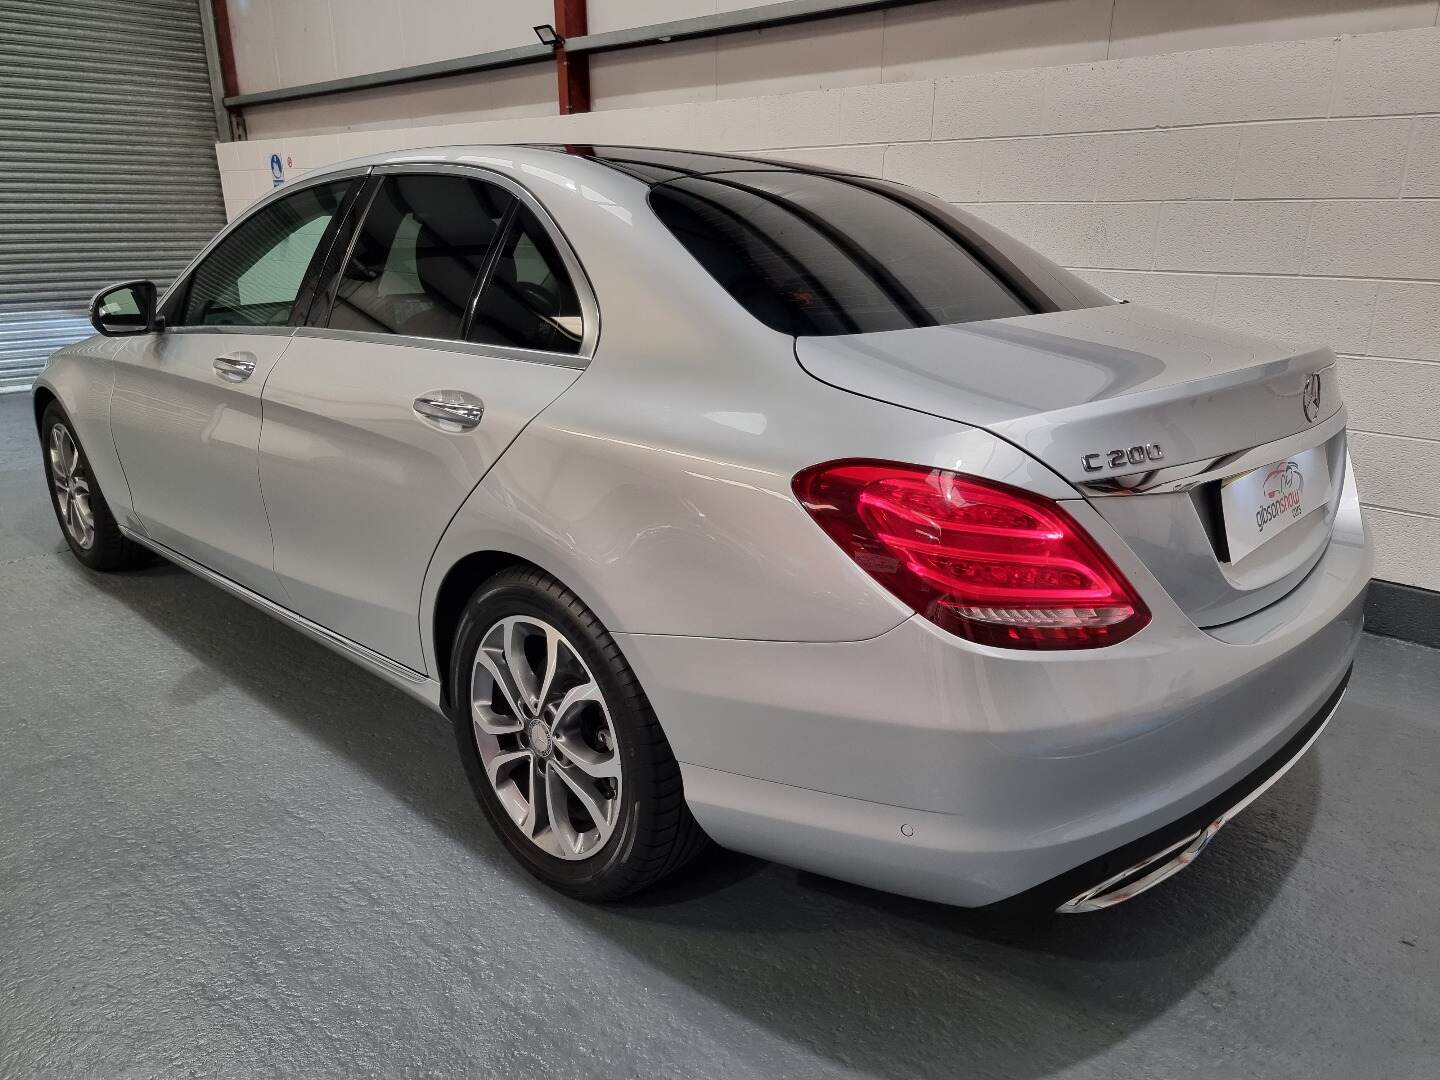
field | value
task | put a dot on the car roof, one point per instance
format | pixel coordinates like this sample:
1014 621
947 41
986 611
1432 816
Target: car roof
656 165
649 164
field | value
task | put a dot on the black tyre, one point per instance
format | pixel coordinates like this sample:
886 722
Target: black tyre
561 745
80 508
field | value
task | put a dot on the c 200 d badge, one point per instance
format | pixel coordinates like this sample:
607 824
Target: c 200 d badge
1118 459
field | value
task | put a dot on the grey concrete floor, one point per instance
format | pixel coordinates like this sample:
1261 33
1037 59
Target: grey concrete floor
226 852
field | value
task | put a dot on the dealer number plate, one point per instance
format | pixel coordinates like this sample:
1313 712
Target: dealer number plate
1261 504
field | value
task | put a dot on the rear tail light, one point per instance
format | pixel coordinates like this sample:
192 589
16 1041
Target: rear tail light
986 561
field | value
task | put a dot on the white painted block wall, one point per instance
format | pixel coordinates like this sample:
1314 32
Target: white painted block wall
293 42
1291 188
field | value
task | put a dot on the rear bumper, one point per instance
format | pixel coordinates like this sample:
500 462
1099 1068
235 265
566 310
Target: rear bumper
922 765
1142 864
940 857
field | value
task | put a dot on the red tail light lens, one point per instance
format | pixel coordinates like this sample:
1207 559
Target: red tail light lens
986 561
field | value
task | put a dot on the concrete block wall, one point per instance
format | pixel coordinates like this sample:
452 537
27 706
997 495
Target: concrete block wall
1290 188
292 42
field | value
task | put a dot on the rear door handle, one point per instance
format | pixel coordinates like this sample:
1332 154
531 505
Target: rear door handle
450 410
235 368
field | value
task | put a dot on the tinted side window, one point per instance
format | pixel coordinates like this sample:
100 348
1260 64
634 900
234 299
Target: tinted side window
418 256
254 275
809 254
529 301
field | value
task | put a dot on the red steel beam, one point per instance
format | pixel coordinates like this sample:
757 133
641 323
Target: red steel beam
225 45
571 72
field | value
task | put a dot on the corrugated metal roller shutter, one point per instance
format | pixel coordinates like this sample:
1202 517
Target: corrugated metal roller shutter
107 160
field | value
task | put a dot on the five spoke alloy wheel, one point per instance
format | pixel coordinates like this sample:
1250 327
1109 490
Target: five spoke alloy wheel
72 486
546 738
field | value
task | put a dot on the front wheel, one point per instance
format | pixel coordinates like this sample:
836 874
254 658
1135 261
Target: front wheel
561 745
80 507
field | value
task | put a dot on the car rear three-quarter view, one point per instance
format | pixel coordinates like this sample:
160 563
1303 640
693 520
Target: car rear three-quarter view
718 497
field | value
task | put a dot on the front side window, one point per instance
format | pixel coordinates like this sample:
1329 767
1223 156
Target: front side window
254 275
418 256
528 300
809 254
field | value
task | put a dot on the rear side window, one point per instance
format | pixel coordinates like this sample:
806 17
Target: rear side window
528 300
817 255
418 256
254 275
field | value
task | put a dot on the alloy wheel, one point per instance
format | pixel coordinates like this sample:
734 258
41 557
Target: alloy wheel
545 737
72 486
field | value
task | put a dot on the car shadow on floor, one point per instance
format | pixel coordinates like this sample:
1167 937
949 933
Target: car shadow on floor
884 985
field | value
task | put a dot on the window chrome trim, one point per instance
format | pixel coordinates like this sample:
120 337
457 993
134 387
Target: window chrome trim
317 179
469 348
262 330
584 289
1181 478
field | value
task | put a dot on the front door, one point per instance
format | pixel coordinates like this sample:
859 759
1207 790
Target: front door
185 412
455 320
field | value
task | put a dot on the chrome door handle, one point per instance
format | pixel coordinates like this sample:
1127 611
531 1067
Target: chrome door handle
450 410
235 368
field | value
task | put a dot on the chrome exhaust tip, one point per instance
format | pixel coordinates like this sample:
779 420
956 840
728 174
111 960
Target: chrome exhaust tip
1154 869
1146 874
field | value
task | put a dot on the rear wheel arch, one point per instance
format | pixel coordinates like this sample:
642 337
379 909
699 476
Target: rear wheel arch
456 588
466 575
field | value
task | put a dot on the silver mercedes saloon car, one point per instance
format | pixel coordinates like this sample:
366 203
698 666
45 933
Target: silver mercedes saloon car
724 499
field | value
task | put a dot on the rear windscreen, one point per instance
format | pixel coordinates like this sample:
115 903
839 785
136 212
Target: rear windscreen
808 254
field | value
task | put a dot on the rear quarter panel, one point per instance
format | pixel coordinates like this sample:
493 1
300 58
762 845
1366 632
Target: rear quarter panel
657 487
667 507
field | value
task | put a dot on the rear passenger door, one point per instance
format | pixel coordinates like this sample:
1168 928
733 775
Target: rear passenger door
454 316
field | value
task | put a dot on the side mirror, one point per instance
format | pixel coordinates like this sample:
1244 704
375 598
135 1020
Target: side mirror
125 309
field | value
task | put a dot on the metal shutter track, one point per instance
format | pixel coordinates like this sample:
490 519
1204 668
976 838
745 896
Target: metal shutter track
107 161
